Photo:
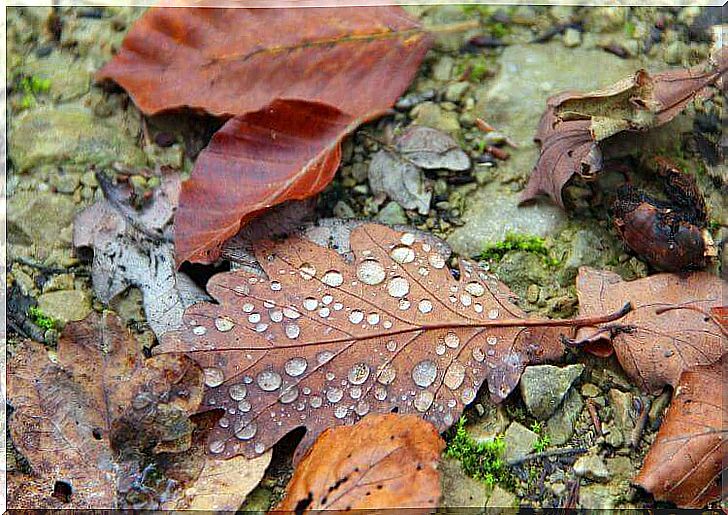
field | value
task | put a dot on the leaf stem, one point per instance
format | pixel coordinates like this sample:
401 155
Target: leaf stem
453 27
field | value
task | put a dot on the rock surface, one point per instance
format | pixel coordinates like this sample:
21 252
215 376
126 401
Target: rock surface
519 442
543 387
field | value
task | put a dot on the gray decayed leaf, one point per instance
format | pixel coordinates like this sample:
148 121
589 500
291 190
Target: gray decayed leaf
431 149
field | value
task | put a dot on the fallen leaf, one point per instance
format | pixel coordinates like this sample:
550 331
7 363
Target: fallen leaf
685 464
232 61
669 329
289 150
397 171
323 341
134 248
574 124
383 461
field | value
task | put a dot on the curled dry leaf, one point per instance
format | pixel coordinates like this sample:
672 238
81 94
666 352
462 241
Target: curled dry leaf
289 150
685 463
322 341
133 248
232 61
670 328
384 461
574 124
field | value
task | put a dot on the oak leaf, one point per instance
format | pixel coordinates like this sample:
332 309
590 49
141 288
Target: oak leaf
670 328
232 61
383 461
574 124
685 463
322 341
289 150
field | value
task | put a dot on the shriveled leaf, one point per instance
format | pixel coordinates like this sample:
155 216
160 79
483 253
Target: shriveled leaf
323 341
670 328
384 461
134 248
431 149
574 124
231 61
685 463
400 180
66 414
289 150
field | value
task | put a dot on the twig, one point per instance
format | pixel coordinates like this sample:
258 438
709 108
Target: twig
640 425
454 27
594 416
548 454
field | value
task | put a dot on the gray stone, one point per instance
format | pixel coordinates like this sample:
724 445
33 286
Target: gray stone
621 468
543 387
343 210
623 413
458 489
442 69
65 182
68 134
572 38
40 220
596 497
392 214
501 498
455 91
59 282
560 427
68 78
24 282
492 421
519 442
591 467
432 115
65 305
590 390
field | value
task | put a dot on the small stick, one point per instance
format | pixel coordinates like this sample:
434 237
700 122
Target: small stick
640 425
483 125
548 454
497 153
594 416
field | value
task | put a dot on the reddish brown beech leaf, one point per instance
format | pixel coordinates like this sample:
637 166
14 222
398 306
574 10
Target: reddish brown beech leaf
684 464
323 342
289 150
384 461
574 124
670 328
229 62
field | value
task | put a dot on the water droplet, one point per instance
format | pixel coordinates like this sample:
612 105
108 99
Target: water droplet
452 340
493 314
327 299
260 328
338 306
436 260
307 271
356 316
224 422
213 376
391 346
248 307
425 306
386 374
324 312
259 448
387 324
440 349
310 303
254 318
199 330
294 367
454 376
269 380
324 357
275 315
451 403
288 395
333 278
371 272
334 395
292 331
245 432
478 308
242 289
423 400
340 411
491 352
316 401
402 254
467 396
466 299
424 272
275 286
447 419
359 373
398 287
355 392
238 392
407 238
424 373
362 408
475 289
244 406
224 324
492 340
373 318
291 313
217 446
404 304
380 393
478 355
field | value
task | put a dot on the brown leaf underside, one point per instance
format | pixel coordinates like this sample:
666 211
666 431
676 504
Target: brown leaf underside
323 343
384 461
289 150
229 62
684 464
670 328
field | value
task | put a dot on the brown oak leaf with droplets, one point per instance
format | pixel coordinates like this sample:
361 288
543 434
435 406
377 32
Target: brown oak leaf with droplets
323 341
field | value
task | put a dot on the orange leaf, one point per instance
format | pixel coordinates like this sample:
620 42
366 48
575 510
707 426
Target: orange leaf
384 461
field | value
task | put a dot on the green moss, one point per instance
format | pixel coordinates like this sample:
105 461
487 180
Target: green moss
31 87
41 319
522 242
629 29
542 443
480 460
536 427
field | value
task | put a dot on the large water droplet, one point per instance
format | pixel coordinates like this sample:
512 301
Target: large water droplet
436 260
466 299
248 307
423 400
244 406
340 411
452 340
355 392
373 318
294 367
310 303
199 330
259 448
478 355
424 373
292 331
254 318
275 315
359 373
217 446
493 314
404 304
467 396
454 376
387 373
316 401
371 272
224 324
398 287
333 278
356 316
407 238
238 392
268 380
324 356
213 376
361 408
440 349
402 254
324 312
288 395
245 432
425 306
475 289
327 299
334 395
291 313
380 393
492 340
307 271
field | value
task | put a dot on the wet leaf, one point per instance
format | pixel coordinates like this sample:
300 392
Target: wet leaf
431 149
323 341
289 150
134 248
574 124
685 463
384 461
670 328
233 61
